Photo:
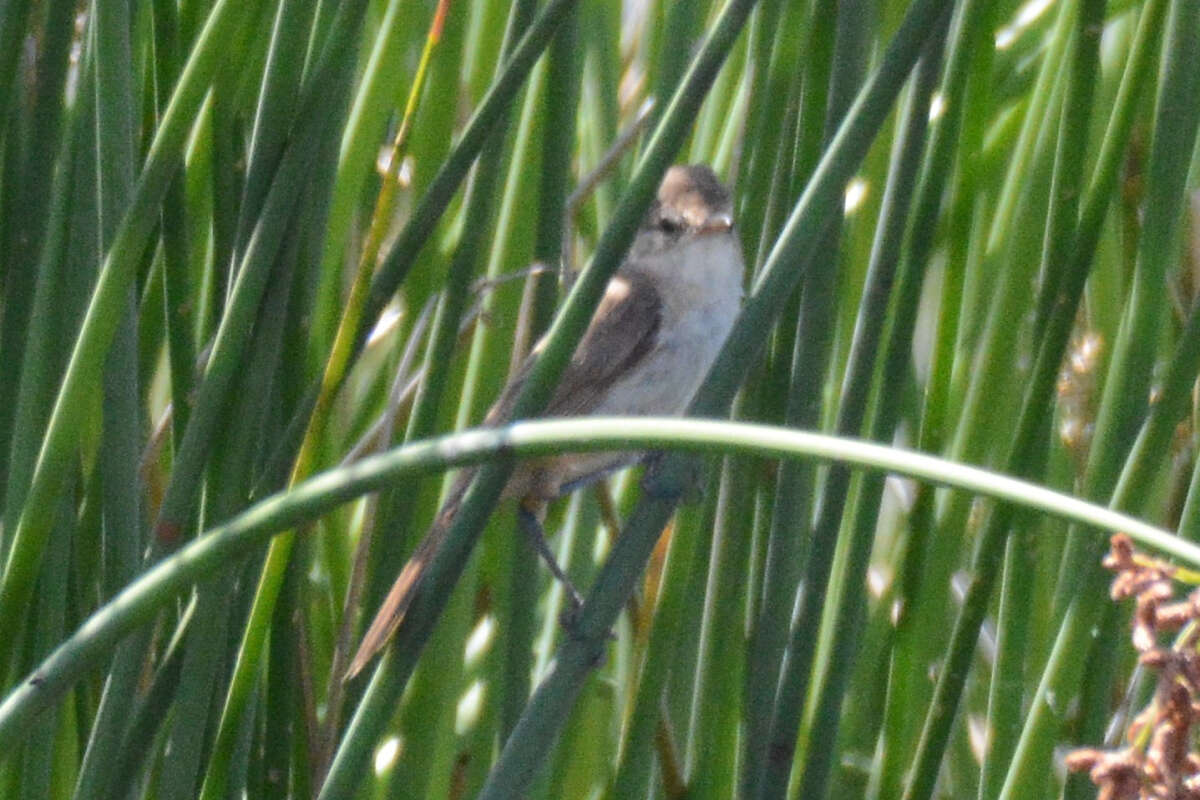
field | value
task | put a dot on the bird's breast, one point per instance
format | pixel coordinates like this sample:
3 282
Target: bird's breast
686 344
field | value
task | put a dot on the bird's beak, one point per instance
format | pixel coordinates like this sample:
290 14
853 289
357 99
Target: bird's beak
717 223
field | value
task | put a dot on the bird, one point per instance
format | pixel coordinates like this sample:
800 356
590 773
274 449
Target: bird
663 318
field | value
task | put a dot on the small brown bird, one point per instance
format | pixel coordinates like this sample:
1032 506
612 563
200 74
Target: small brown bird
660 325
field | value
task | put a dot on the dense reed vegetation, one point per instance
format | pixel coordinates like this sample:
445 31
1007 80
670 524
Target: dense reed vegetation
260 259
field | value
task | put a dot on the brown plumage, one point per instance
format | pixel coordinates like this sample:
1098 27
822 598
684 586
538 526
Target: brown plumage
652 338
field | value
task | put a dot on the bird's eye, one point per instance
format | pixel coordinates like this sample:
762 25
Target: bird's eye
669 225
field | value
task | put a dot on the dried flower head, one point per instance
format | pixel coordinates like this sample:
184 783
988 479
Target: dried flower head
1160 761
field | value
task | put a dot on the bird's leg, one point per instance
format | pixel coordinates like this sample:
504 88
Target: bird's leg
527 521
608 509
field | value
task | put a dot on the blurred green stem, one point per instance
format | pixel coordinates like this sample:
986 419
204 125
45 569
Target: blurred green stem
103 315
1124 399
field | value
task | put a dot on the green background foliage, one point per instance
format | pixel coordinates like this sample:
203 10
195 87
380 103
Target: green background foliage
245 245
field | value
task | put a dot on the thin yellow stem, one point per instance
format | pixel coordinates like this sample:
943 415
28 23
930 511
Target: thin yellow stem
343 341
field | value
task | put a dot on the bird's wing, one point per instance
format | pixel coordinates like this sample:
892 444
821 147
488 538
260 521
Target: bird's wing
622 332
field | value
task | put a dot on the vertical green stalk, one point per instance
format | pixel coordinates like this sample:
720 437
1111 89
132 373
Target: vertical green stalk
330 76
99 326
847 621
14 15
236 455
1174 132
612 588
334 372
671 634
403 253
121 441
775 56
560 101
251 274
1063 215
564 334
278 100
34 122
452 303
1007 685
788 668
967 39
178 312
722 660
55 308
1020 208
673 42
433 692
122 434
964 242
795 371
42 743
369 112
1022 458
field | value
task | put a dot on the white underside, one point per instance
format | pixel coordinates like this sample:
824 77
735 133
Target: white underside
704 299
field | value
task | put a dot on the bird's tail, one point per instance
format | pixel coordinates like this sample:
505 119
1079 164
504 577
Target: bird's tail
396 604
